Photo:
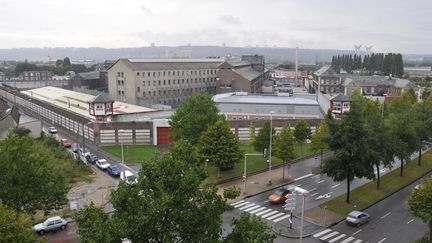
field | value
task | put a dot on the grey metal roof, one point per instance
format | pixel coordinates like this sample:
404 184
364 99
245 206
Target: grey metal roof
248 72
325 71
101 98
255 99
237 63
340 97
355 81
170 64
90 75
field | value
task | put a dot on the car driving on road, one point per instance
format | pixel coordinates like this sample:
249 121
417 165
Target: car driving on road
52 130
65 143
280 195
357 218
51 224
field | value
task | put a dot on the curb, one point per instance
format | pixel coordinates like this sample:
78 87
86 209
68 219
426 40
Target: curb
288 236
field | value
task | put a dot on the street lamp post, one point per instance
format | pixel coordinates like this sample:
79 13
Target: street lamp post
122 151
245 172
270 152
304 193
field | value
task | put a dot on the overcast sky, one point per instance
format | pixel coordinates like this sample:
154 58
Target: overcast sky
388 25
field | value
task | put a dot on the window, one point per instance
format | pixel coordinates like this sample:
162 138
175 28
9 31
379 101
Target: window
143 74
154 74
118 74
122 82
148 74
336 106
119 93
346 106
118 82
138 73
159 82
164 82
169 73
143 83
159 73
154 82
149 83
169 82
138 89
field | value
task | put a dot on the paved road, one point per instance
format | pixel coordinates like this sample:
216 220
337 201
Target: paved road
390 221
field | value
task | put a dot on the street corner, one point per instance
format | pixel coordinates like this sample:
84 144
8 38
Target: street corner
321 216
291 228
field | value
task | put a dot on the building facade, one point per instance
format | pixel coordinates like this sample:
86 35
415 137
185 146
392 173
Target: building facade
246 75
326 80
36 75
162 81
2 76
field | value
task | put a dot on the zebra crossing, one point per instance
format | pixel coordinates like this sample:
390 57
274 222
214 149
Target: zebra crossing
260 211
332 236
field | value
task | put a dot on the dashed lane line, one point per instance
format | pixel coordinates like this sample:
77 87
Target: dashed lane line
382 240
385 215
314 194
302 177
358 231
410 221
321 181
357 241
334 186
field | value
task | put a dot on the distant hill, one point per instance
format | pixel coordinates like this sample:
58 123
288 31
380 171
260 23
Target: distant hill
275 55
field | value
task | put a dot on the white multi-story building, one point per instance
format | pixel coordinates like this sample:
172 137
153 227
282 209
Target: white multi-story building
162 81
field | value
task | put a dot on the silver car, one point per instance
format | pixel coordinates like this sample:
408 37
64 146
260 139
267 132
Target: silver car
51 224
357 218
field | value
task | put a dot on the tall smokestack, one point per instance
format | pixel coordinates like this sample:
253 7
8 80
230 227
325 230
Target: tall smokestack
296 65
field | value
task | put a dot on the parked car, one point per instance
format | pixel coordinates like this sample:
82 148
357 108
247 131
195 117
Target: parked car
52 130
83 152
65 143
92 158
128 177
51 224
357 218
280 195
114 170
75 147
102 164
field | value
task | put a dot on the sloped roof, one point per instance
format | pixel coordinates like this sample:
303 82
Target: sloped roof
340 97
90 75
101 98
325 71
378 80
248 72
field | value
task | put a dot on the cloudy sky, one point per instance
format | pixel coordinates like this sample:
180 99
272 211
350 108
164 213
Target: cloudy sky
388 25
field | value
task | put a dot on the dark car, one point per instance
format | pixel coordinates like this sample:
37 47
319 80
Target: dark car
280 195
75 147
92 158
114 170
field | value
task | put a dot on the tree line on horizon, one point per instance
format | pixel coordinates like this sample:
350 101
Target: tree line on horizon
376 63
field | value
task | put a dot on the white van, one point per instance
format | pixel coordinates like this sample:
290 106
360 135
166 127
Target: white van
128 177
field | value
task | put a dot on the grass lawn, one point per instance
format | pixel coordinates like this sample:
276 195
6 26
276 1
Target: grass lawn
140 153
133 153
367 194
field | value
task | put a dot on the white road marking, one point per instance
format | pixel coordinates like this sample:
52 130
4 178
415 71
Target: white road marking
275 216
336 185
321 233
232 204
348 239
358 231
382 240
410 221
257 210
313 189
314 194
357 241
299 185
247 206
241 204
321 181
271 213
266 201
337 238
385 215
263 212
252 208
302 177
281 218
329 235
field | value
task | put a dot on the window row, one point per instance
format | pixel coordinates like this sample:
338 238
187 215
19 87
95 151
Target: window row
176 73
178 81
120 82
175 91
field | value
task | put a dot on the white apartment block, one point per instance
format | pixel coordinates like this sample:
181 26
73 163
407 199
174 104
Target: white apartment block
162 81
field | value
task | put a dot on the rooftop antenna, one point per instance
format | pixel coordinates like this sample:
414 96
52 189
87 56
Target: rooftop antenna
368 50
357 49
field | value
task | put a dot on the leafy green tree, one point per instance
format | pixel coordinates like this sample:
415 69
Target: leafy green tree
420 203
262 140
231 192
27 181
350 158
319 139
401 124
170 203
193 117
302 132
252 135
66 62
21 131
14 227
220 146
284 147
249 228
93 225
423 124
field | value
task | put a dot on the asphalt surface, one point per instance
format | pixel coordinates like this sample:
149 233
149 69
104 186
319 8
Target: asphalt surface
390 221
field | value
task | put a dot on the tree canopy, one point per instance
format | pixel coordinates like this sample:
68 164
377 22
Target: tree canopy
319 138
14 227
302 131
193 117
420 203
249 228
284 146
262 140
93 225
27 181
220 146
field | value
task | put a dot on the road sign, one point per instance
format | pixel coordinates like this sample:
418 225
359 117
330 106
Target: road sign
290 203
244 177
